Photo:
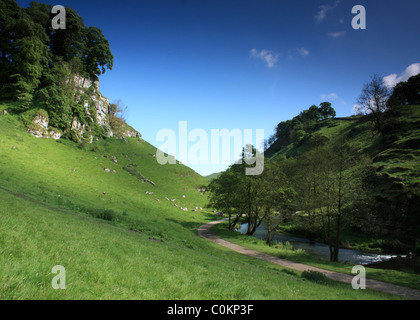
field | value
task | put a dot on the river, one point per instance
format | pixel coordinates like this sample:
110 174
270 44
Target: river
321 250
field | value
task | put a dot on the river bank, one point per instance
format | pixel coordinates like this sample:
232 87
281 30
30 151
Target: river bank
375 258
395 282
286 252
321 250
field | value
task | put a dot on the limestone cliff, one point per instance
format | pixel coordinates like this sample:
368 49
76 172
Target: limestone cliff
96 110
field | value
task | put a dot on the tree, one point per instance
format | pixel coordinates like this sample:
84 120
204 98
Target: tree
251 190
277 193
326 110
406 93
337 190
311 115
56 96
116 115
373 101
97 53
9 11
238 194
25 55
323 189
40 14
307 181
223 196
69 43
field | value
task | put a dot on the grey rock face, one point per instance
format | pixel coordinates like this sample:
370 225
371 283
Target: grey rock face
82 86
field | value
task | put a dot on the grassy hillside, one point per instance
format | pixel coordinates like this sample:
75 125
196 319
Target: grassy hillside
394 177
86 208
396 154
213 176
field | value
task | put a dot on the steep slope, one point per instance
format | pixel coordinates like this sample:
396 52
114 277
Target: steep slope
110 174
395 154
394 175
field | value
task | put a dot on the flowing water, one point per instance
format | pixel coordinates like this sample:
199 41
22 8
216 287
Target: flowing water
321 250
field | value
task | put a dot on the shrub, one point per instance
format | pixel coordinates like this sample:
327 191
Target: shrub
315 276
103 214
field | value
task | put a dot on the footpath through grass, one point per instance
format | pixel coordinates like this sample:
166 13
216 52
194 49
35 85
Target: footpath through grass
285 251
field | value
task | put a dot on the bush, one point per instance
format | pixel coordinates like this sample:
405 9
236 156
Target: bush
315 276
393 246
103 214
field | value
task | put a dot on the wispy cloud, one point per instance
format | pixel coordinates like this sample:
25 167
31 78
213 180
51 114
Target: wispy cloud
393 79
270 57
332 97
337 35
325 9
303 52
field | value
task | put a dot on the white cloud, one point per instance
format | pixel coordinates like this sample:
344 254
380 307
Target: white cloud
358 109
329 96
303 52
337 35
268 56
324 9
332 97
393 79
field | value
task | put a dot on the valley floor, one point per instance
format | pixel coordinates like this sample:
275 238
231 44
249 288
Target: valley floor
204 231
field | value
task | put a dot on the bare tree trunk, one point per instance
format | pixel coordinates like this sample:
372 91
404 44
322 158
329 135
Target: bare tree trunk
235 221
340 195
268 231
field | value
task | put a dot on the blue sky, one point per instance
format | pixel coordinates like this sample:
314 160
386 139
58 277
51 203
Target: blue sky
245 64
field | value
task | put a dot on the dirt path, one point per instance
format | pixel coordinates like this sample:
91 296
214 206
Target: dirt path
204 231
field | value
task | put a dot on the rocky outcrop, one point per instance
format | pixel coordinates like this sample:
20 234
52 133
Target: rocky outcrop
83 85
97 110
133 134
39 127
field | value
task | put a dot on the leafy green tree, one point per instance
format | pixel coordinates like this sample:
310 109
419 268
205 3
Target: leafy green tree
283 131
327 111
224 196
307 181
277 194
324 188
26 57
238 194
96 51
69 43
406 93
40 14
9 10
56 96
311 115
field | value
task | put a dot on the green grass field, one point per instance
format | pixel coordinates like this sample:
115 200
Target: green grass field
59 206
